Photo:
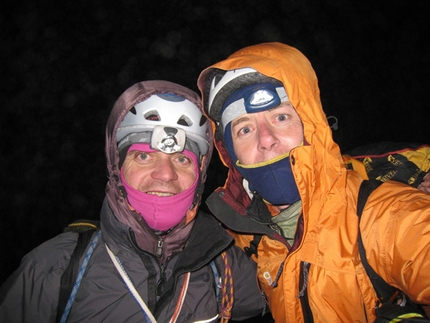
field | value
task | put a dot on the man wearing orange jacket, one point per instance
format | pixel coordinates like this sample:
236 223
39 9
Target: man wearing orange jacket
290 198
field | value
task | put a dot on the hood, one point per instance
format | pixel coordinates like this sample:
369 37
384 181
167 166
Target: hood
114 190
318 164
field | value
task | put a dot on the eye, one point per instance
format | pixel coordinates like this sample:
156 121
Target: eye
244 130
184 160
281 117
142 156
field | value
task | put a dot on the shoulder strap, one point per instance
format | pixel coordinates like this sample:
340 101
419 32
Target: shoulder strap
382 288
218 281
85 228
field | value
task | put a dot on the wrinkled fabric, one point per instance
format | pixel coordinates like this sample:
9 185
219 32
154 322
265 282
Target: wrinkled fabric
394 225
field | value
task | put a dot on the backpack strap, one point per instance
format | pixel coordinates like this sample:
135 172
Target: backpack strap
384 291
218 281
85 228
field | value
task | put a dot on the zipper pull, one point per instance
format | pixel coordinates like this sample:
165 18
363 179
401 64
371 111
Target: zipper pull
159 251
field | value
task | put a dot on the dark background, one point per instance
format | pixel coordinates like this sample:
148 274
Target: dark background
64 63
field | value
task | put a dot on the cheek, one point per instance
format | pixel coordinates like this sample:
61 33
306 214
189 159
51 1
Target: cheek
246 154
132 176
295 136
187 178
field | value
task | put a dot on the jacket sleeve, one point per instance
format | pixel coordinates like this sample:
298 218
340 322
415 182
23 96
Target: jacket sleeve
30 294
398 238
248 300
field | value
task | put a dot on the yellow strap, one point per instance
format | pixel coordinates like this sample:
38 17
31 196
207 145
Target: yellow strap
78 224
356 165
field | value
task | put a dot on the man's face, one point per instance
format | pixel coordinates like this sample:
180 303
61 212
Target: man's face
159 173
262 136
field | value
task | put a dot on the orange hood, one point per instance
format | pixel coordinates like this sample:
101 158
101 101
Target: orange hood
294 70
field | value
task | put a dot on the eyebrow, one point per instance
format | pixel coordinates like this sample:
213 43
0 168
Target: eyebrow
284 104
241 119
246 118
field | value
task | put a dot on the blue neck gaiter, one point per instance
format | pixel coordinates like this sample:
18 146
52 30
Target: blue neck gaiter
273 180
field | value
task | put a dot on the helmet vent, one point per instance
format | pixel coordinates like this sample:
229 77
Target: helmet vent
185 121
218 77
202 120
152 116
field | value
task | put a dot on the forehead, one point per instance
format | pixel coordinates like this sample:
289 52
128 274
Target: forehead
252 99
136 151
284 107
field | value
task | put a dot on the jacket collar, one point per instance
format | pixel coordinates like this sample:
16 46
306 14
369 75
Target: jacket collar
198 241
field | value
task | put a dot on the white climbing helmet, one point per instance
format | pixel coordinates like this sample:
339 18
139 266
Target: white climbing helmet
169 122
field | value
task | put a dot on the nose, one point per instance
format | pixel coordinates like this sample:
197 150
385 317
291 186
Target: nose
267 139
164 169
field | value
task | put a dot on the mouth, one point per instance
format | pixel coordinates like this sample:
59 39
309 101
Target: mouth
160 193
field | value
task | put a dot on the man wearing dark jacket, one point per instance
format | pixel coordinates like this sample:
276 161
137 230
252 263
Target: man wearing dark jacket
155 259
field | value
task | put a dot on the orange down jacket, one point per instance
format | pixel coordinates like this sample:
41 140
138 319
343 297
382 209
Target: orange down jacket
395 224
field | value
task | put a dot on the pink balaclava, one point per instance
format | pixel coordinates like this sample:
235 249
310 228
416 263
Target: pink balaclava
161 212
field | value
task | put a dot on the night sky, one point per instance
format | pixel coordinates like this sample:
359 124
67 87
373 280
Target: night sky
64 63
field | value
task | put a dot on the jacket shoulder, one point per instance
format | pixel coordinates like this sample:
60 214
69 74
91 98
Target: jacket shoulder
39 276
394 228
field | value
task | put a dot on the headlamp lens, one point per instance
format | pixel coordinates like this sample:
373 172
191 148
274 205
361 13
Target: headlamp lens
168 139
261 100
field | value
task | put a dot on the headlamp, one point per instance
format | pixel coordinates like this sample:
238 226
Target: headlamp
261 100
251 99
168 139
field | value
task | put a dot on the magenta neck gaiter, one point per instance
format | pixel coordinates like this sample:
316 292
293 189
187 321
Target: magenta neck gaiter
161 212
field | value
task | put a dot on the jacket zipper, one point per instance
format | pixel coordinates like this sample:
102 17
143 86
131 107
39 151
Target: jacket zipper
159 253
303 293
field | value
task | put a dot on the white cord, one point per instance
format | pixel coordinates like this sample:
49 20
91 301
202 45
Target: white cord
130 286
213 319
